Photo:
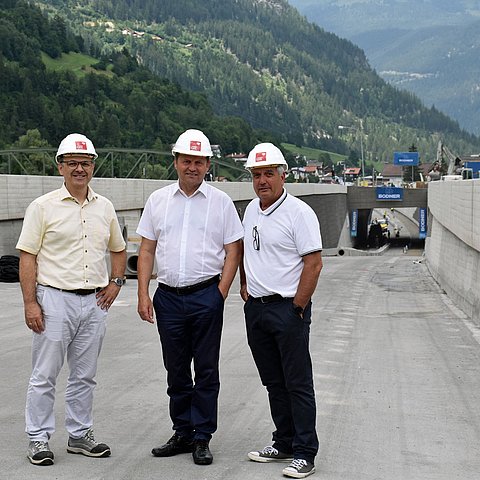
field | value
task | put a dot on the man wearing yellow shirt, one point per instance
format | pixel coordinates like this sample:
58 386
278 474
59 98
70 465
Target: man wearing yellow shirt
67 293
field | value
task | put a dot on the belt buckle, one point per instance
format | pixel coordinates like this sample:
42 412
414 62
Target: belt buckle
262 300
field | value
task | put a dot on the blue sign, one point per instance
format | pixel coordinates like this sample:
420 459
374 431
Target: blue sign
389 193
405 159
422 223
475 166
354 223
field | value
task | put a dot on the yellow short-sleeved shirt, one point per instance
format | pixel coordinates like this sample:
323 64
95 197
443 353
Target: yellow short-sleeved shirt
70 240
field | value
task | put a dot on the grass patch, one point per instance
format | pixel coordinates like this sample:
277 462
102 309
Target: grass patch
77 63
312 153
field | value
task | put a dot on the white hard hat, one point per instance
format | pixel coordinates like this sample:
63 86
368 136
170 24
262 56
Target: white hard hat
75 143
265 155
193 142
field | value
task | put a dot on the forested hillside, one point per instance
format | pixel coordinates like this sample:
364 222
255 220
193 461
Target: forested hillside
115 101
263 61
258 60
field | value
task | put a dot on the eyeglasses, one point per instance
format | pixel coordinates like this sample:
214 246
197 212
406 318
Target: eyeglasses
256 238
86 164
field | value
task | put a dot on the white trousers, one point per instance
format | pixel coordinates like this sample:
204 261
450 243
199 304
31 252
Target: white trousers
74 325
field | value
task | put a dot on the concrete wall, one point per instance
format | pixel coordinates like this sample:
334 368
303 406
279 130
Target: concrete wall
365 198
452 248
129 197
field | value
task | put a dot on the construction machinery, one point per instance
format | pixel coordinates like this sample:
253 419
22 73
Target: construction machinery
446 157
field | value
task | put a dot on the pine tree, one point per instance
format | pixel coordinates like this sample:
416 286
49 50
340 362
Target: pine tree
411 173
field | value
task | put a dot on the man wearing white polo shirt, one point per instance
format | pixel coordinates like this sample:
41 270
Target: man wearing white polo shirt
281 265
194 232
66 294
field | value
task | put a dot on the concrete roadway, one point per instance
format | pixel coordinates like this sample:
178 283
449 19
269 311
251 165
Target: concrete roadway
397 376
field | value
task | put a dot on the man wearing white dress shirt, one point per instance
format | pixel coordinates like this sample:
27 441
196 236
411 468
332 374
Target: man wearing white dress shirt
194 232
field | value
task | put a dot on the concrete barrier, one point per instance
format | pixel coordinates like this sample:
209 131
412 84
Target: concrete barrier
129 197
452 248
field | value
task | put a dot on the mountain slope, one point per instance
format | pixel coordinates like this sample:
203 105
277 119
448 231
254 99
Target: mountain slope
262 60
430 48
116 102
440 66
348 18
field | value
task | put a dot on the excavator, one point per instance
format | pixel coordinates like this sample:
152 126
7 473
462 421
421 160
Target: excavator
446 157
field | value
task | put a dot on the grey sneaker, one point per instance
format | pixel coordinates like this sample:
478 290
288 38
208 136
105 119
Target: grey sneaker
270 454
39 453
299 468
87 445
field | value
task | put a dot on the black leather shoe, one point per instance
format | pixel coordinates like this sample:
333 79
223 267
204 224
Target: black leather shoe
201 452
174 446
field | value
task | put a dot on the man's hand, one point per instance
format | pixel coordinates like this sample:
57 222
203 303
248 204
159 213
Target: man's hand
145 308
28 283
34 317
106 296
243 292
146 256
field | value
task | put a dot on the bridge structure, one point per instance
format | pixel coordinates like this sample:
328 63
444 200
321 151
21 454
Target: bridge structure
452 245
361 201
111 163
335 205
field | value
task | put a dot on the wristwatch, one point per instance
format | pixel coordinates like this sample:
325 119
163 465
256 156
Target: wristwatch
118 281
298 309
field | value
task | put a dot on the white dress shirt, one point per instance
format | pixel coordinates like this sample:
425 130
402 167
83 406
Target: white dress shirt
190 232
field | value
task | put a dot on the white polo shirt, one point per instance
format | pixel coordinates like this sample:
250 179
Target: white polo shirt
190 232
70 240
286 231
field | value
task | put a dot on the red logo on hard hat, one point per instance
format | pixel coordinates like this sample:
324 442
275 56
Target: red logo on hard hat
81 145
261 157
195 145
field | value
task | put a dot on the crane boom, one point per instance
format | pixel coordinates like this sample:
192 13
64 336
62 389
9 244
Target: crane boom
444 155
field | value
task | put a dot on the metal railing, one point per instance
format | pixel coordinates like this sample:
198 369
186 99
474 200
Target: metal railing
111 163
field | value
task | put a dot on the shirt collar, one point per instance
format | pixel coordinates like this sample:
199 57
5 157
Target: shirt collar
203 189
274 206
65 194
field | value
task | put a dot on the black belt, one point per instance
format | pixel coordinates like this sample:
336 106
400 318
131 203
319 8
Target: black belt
78 291
190 288
269 298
